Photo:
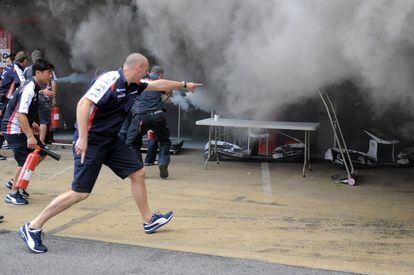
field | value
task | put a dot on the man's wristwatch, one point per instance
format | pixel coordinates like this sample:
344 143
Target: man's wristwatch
184 84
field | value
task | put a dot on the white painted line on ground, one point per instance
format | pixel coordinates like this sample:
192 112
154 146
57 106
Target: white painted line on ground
267 186
60 173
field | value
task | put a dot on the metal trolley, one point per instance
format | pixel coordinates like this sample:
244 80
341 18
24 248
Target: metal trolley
351 173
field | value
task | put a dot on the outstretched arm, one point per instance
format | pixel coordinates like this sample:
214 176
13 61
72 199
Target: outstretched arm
166 85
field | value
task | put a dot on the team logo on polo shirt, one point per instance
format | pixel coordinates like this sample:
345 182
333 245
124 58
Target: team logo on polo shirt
121 92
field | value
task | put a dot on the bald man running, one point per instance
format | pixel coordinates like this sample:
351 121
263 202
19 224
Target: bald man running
99 116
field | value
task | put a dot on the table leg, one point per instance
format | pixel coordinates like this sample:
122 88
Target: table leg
305 153
215 145
309 158
209 148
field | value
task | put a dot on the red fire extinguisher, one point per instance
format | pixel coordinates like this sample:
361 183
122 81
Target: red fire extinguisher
151 135
28 168
55 114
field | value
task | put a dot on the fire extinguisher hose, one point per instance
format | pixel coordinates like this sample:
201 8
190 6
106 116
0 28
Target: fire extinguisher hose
48 152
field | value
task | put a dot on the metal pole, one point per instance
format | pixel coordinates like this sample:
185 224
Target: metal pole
215 145
179 122
305 157
309 159
209 144
209 148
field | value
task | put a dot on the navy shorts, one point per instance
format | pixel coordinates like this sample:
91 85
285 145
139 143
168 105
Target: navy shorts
18 144
44 110
103 149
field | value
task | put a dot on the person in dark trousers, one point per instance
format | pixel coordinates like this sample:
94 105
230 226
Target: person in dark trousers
12 78
46 97
9 63
9 82
152 149
99 115
19 125
152 144
151 116
17 75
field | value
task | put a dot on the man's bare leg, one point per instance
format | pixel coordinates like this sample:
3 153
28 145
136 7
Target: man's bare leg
139 193
16 176
59 204
43 132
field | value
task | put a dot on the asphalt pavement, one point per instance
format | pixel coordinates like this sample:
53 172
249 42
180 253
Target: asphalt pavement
78 256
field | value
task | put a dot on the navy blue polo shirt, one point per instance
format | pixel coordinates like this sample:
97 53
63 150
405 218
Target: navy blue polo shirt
150 101
112 98
10 82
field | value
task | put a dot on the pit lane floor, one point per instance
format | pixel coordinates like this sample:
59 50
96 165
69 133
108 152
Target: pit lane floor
245 210
80 256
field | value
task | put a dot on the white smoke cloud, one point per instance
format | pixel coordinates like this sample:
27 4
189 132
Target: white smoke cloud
380 44
180 99
201 100
114 40
255 56
275 52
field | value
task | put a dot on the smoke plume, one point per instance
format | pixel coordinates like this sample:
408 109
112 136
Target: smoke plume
278 52
254 57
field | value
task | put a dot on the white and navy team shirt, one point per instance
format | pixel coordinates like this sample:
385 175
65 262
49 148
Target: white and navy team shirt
19 71
25 101
10 82
112 98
